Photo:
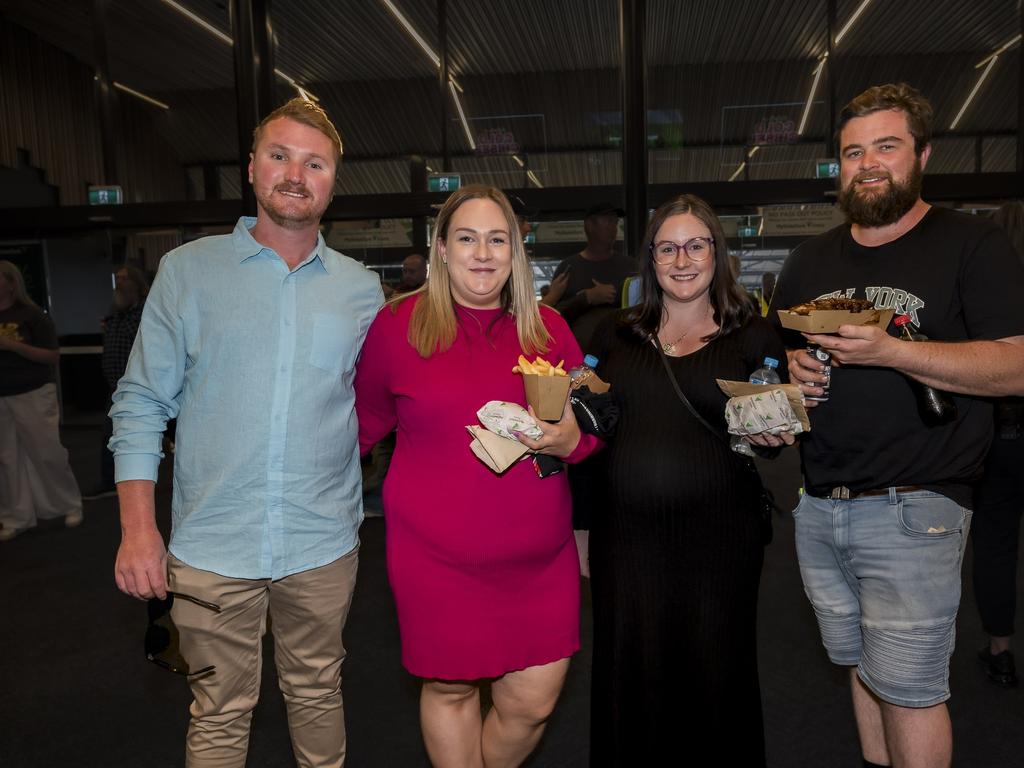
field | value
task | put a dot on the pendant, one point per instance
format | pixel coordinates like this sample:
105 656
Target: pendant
668 349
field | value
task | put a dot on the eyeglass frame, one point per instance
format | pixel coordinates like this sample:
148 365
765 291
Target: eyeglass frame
154 656
653 247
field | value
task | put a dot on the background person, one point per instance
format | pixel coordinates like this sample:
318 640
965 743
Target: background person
35 478
482 566
676 555
119 328
999 500
251 339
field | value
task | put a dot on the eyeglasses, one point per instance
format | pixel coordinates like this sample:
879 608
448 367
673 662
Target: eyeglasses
162 636
697 249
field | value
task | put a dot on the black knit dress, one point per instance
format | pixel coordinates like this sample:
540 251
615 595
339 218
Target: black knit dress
676 560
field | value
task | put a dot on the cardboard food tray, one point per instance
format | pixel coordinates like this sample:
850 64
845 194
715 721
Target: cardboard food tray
829 320
546 394
793 394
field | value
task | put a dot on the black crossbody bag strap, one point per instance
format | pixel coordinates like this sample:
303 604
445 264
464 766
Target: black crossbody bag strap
679 391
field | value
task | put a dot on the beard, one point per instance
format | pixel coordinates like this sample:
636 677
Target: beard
880 208
297 215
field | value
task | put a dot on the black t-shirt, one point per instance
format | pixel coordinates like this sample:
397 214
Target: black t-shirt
31 326
958 278
581 316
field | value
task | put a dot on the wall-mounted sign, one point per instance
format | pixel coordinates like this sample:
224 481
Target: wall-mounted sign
443 182
826 169
106 195
803 220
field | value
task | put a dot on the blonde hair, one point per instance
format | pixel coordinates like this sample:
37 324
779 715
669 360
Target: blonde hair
433 326
13 275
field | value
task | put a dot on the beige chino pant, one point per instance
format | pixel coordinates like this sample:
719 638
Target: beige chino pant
36 482
307 612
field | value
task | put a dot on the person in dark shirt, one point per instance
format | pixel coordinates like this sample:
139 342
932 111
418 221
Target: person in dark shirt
119 328
595 274
35 478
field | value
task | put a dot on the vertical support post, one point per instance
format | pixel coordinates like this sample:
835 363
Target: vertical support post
254 79
632 30
442 81
831 72
106 99
418 183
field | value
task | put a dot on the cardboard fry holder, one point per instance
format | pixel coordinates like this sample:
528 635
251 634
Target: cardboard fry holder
829 320
546 395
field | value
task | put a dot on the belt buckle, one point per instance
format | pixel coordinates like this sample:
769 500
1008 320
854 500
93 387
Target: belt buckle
840 492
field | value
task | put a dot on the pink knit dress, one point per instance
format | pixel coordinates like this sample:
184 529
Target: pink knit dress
483 567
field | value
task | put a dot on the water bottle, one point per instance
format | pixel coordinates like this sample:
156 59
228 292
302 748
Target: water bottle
578 375
766 374
935 406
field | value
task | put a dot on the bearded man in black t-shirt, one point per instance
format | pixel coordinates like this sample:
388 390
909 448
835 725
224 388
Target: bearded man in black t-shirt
883 522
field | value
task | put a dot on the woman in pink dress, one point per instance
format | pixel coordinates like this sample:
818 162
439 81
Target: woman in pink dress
483 567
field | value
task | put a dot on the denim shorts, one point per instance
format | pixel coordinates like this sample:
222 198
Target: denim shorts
883 576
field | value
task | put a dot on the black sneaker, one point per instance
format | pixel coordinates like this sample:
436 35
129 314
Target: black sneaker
999 667
103 492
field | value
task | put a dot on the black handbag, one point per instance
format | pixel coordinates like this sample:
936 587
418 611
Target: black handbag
766 503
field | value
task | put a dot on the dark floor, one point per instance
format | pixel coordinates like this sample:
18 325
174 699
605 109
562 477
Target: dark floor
77 691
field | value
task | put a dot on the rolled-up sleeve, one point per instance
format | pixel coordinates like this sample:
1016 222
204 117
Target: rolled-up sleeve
149 393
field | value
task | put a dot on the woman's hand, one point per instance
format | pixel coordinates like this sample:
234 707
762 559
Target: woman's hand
768 440
559 439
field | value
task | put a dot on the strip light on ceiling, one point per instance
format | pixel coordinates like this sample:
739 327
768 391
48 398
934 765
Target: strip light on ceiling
988 62
810 96
850 22
533 177
227 39
140 95
462 116
974 92
453 84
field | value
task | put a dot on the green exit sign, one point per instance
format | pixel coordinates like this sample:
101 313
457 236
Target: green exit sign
109 195
443 182
826 169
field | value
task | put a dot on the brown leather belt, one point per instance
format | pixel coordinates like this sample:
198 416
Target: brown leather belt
842 492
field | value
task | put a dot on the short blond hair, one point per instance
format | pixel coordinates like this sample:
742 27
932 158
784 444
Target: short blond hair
432 325
308 113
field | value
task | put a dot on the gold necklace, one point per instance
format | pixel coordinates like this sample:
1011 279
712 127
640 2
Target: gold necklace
669 348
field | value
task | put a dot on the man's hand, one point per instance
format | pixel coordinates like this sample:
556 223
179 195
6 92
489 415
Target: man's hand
556 289
600 293
808 373
559 439
858 345
7 344
141 566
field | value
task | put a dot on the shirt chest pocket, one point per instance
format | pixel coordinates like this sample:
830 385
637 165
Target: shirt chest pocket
333 347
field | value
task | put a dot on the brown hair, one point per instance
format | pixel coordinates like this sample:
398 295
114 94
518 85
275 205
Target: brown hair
729 301
898 96
432 326
136 276
308 113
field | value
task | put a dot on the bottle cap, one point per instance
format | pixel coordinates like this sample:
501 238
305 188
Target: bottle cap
590 361
771 362
901 320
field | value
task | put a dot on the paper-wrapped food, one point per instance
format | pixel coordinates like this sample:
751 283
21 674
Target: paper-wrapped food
503 419
765 411
493 443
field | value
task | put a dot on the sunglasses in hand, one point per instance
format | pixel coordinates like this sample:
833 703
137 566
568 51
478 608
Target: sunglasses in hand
162 636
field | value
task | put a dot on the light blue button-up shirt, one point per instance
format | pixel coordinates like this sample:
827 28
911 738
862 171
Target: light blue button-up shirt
256 362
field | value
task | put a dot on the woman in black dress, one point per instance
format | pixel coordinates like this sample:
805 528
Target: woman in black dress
676 555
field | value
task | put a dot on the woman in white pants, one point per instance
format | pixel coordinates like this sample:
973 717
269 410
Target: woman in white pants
35 477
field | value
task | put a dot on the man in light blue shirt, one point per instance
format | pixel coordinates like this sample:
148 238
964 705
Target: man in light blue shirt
250 341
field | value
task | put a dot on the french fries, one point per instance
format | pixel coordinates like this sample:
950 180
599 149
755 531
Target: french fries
539 367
